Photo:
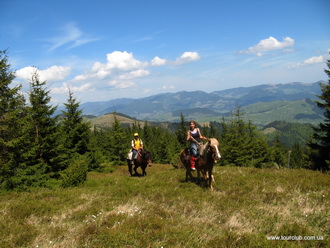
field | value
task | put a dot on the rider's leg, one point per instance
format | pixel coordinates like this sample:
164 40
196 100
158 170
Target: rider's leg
193 155
134 156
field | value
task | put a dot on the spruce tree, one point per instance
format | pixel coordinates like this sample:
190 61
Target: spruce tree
242 145
181 132
278 154
12 125
118 141
320 154
75 131
46 154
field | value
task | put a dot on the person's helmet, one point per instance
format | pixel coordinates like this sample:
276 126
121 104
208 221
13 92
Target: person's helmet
136 134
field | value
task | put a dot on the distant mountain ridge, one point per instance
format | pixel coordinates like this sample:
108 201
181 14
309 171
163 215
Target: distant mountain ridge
202 105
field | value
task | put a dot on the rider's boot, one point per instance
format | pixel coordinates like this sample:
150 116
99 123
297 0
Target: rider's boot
192 163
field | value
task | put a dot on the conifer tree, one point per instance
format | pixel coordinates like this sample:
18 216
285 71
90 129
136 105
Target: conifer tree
213 131
320 154
75 130
181 132
12 125
242 145
278 154
45 151
296 157
119 141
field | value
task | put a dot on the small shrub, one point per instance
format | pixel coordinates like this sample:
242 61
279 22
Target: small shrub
108 167
76 173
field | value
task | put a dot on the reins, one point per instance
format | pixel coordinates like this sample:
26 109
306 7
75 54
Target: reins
193 139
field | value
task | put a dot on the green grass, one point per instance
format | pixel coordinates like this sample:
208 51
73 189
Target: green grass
161 210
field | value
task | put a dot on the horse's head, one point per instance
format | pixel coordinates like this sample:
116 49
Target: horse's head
148 158
214 148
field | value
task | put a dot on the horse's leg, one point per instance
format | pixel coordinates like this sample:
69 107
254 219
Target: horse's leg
143 167
188 169
130 166
211 179
135 167
188 174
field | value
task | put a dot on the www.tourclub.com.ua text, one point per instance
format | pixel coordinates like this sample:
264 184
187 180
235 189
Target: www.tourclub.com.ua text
294 238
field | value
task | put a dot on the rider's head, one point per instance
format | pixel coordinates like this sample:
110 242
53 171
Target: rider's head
192 125
136 135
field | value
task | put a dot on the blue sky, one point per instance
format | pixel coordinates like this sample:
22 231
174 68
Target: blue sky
104 50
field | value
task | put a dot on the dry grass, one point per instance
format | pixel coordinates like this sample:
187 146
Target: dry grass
160 210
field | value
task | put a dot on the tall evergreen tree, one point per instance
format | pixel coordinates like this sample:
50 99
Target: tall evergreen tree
320 154
12 125
119 141
278 154
75 130
242 145
45 151
296 158
181 132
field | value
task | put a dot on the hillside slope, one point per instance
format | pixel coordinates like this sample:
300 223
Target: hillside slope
248 208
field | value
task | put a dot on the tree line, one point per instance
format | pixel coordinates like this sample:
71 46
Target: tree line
38 149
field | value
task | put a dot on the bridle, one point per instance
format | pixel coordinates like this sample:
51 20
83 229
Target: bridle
214 150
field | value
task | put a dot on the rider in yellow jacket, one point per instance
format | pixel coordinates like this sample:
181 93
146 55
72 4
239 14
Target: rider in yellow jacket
137 144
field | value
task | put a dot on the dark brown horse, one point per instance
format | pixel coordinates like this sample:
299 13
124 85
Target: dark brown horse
143 160
209 154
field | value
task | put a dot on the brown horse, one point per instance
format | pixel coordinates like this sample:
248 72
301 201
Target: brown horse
144 159
209 154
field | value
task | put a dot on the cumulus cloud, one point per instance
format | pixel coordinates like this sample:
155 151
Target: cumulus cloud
156 61
65 88
52 74
123 61
187 57
134 74
269 44
119 65
123 66
312 60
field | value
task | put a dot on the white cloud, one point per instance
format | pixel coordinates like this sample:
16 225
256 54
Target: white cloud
120 71
156 61
123 61
65 88
119 66
168 87
52 74
70 34
312 60
134 74
269 44
187 57
121 84
123 66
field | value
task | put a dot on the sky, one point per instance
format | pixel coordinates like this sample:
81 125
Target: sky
107 49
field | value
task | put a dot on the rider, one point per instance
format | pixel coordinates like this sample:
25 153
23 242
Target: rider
194 136
137 145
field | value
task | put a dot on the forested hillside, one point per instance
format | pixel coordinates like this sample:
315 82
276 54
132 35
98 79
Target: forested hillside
262 104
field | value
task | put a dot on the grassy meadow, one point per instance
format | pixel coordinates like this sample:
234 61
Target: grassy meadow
247 208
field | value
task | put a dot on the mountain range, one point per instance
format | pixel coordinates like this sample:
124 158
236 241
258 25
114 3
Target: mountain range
262 104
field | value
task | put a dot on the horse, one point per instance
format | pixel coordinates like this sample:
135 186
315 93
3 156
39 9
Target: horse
209 154
143 159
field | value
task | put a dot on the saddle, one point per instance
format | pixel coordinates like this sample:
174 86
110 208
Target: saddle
200 151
